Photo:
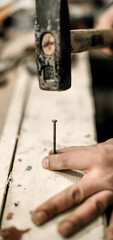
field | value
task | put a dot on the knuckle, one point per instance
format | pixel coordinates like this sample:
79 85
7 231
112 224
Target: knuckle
50 152
102 152
57 161
64 161
80 221
77 195
54 209
99 205
50 208
50 163
105 154
53 162
77 220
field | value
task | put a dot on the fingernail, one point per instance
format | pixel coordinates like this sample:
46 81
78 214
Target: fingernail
66 229
40 217
45 163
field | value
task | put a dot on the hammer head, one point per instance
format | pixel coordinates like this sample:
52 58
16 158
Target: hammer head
52 34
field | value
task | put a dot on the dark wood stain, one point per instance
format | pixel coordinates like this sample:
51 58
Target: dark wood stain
9 216
12 233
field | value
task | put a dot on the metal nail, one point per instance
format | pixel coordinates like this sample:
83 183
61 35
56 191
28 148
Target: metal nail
54 135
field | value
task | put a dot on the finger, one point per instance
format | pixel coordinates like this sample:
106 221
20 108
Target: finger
4 233
103 24
108 142
110 228
85 213
107 51
4 13
72 148
105 21
62 150
81 158
66 199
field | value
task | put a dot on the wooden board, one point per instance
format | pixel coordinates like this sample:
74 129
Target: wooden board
6 92
31 184
11 129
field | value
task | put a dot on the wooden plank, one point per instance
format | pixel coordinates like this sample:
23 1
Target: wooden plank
6 91
32 185
10 132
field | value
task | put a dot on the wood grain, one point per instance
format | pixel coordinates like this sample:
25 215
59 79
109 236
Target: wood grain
10 132
89 39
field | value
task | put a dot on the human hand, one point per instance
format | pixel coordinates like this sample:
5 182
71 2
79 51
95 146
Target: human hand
106 21
92 194
5 12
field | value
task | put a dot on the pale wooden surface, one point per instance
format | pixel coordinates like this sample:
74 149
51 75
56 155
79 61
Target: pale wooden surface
11 129
6 92
31 184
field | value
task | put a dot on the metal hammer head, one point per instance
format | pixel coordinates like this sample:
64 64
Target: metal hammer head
52 34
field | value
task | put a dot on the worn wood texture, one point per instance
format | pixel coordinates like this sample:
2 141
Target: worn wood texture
6 91
89 39
31 184
10 132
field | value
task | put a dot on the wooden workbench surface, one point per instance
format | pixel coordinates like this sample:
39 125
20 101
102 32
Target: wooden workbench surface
26 140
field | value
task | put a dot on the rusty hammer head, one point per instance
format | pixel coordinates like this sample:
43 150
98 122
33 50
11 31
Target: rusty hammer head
52 34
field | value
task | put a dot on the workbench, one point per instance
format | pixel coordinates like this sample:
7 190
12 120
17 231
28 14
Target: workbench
27 138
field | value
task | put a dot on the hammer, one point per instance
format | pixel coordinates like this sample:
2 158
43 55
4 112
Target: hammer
55 43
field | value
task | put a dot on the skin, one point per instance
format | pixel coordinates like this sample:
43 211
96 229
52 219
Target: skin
92 194
4 12
105 21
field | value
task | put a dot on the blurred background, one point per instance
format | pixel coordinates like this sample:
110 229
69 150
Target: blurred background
17 47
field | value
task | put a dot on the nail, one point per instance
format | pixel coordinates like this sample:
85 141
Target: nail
54 135
40 217
45 163
66 229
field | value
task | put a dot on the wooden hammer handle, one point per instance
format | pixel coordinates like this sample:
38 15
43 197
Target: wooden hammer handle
89 39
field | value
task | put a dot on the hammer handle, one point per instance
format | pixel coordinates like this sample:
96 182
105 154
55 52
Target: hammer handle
89 39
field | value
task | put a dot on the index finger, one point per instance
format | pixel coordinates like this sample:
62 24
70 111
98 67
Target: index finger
71 148
81 158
